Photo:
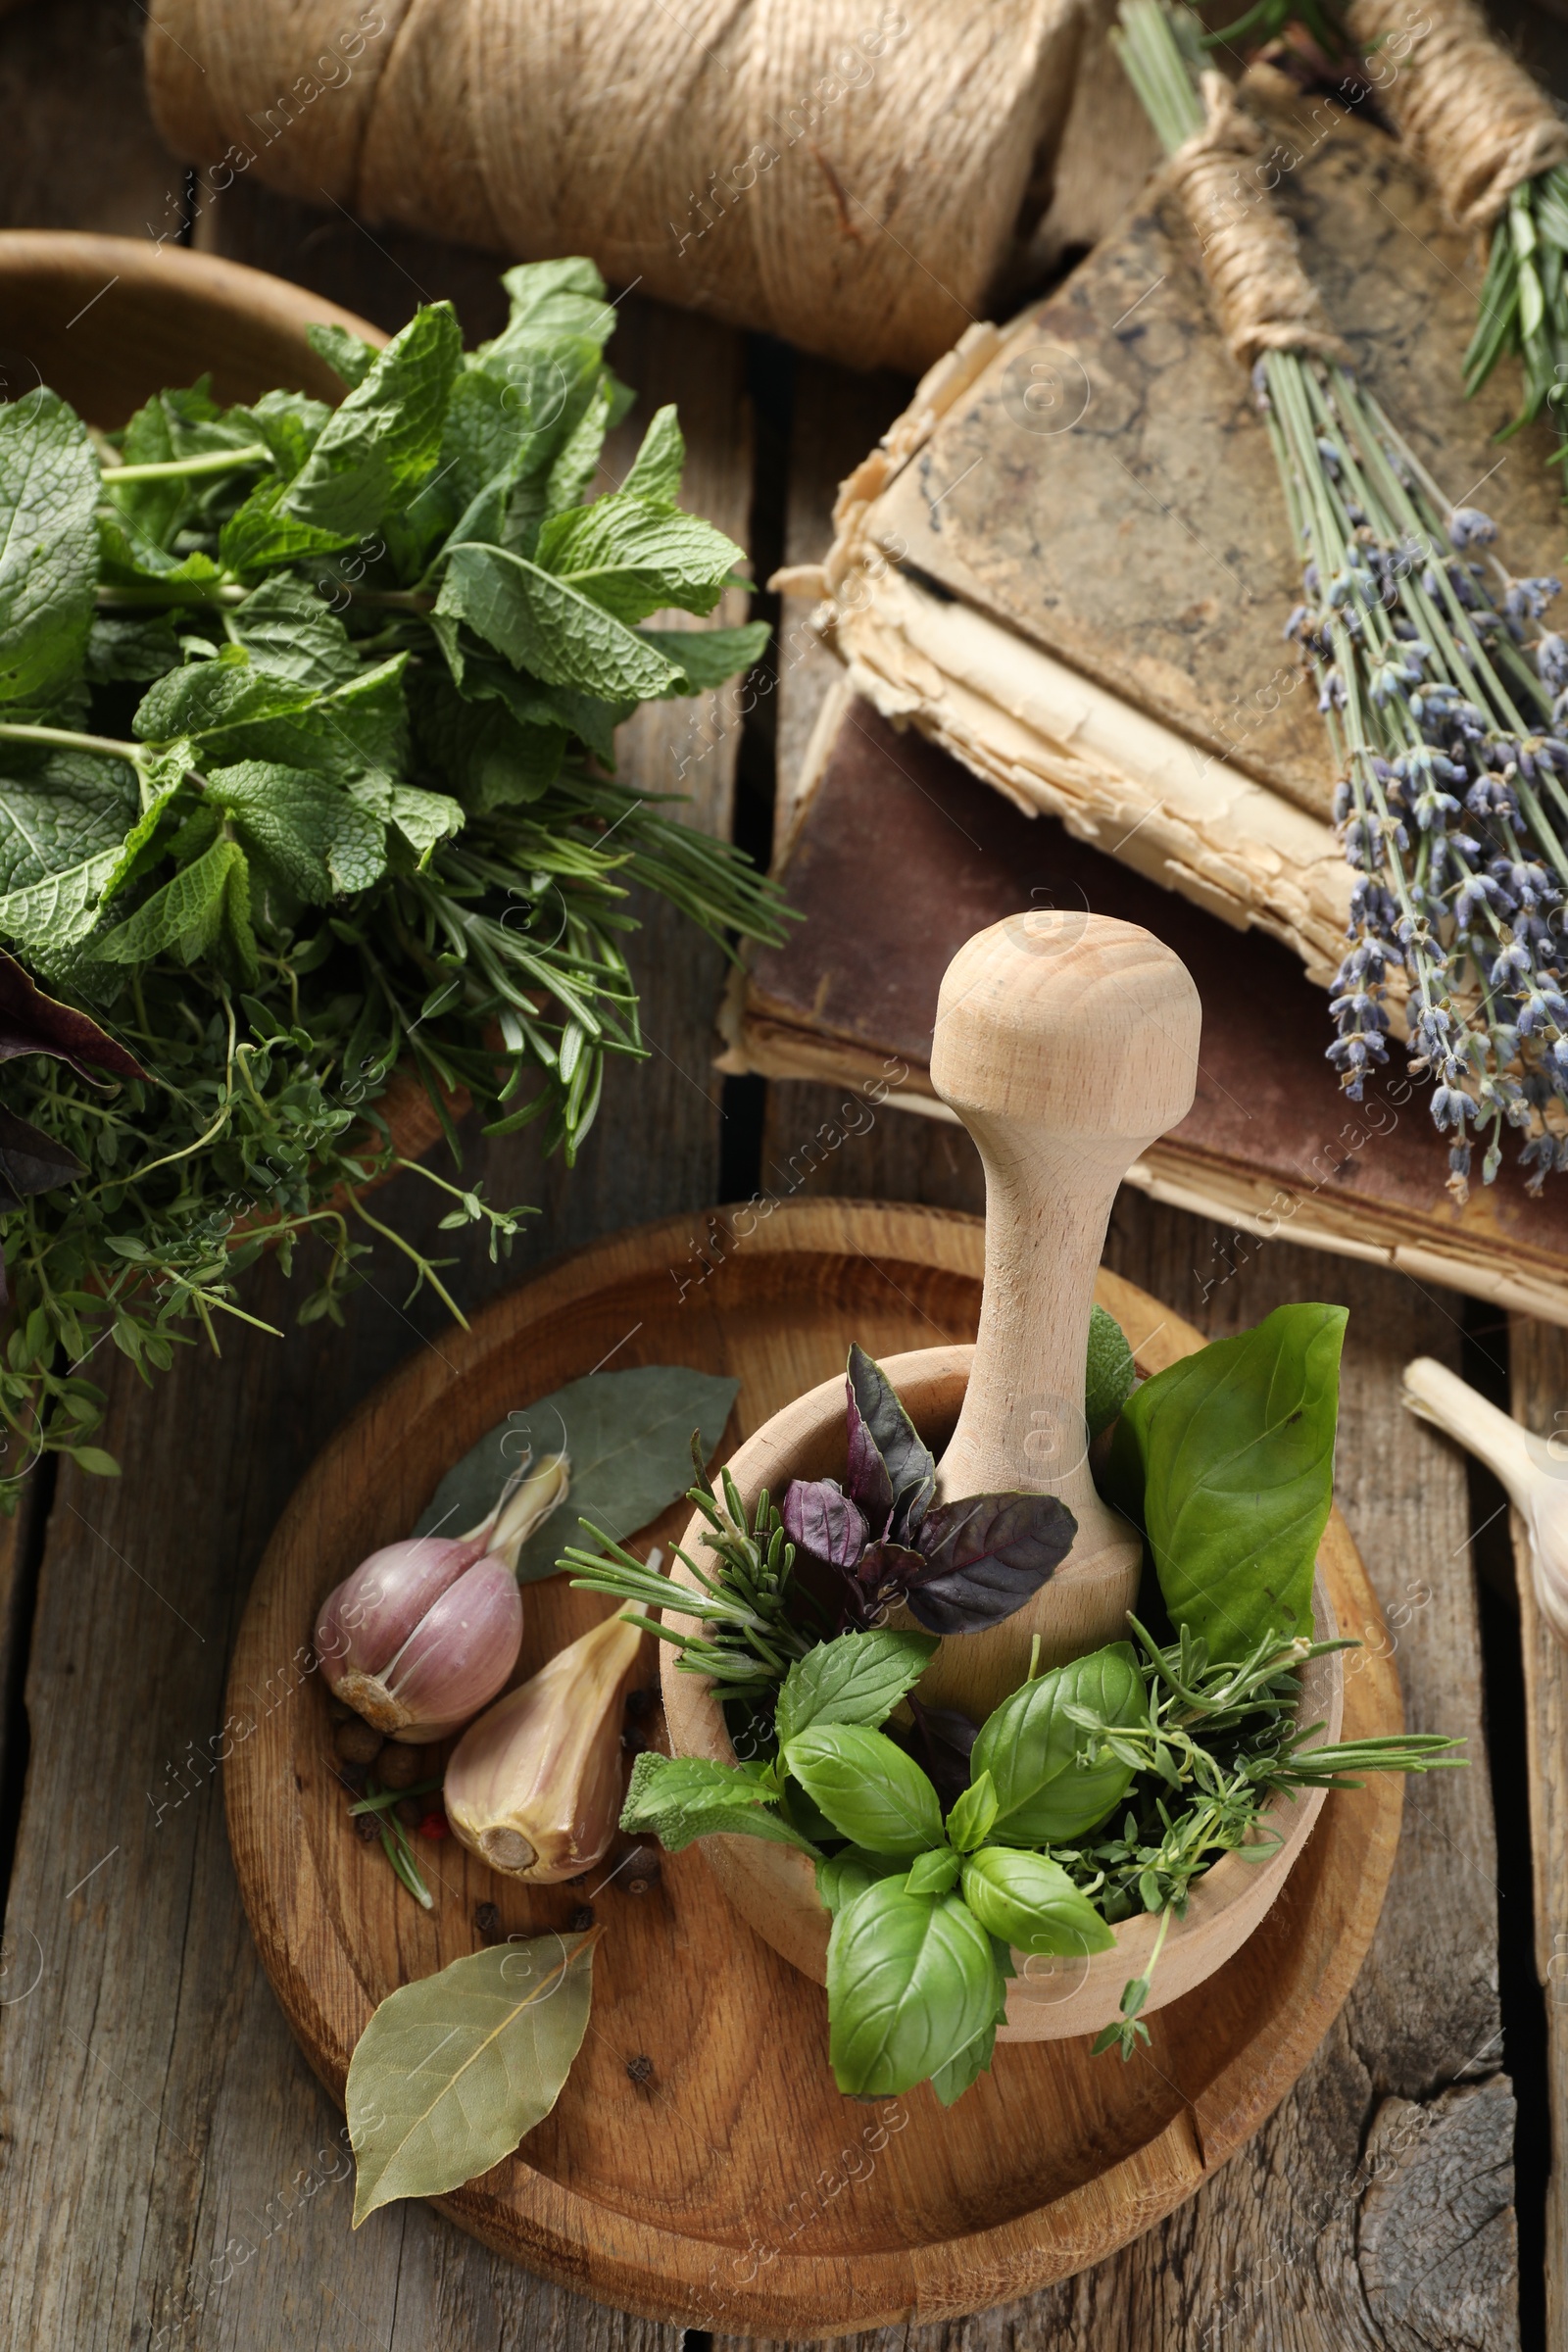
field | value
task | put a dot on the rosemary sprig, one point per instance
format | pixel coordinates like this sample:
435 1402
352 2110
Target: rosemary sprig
396 1843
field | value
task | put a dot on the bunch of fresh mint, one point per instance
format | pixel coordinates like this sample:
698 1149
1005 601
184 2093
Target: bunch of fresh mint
307 722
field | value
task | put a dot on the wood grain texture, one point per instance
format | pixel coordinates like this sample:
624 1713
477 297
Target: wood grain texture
1053 2158
1539 1361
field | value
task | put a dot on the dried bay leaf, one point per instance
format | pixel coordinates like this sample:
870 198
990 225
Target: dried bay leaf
452 2071
627 1437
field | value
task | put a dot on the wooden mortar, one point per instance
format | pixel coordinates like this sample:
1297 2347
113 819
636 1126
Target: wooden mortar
1066 1044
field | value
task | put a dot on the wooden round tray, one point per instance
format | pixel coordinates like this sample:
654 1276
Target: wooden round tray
734 2189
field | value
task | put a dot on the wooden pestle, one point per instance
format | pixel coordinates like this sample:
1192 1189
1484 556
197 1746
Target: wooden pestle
1066 1043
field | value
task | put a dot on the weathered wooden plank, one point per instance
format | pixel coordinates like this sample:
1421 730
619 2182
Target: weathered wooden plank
1539 1361
1319 2233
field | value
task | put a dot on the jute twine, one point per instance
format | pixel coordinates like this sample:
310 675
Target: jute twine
1262 297
1478 125
846 174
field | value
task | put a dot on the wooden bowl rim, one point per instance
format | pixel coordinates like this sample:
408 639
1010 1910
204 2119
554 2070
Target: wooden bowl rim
83 254
697 1725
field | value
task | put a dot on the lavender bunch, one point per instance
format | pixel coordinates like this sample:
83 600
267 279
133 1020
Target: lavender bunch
1443 696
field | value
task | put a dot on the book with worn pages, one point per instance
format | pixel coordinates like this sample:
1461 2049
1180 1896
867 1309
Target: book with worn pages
899 854
1068 565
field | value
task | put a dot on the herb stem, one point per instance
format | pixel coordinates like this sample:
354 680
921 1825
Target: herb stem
168 469
67 739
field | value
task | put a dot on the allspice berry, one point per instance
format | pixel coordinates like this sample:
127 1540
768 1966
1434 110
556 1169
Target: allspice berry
399 1766
487 1919
639 1873
357 1741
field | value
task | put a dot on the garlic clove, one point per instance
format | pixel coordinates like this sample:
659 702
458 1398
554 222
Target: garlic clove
535 1786
457 1659
527 1506
371 1614
1536 1479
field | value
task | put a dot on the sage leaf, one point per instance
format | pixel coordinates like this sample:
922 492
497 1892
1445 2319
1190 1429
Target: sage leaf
1109 1375
627 1438
680 1798
49 489
452 2070
870 1791
1227 1460
912 1988
859 1677
1047 1789
1032 1904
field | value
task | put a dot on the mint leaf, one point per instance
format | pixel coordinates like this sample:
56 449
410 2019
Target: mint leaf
289 632
58 911
656 470
376 449
49 489
679 1799
185 917
545 625
488 755
554 299
69 810
358 730
318 840
348 356
131 650
706 658
633 560
206 698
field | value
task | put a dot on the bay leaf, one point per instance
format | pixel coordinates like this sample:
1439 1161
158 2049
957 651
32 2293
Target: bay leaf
452 2070
627 1436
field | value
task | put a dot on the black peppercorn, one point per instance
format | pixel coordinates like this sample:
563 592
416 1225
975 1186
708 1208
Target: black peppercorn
640 2069
487 1919
582 1918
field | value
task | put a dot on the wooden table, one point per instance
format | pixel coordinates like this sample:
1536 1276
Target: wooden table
157 2119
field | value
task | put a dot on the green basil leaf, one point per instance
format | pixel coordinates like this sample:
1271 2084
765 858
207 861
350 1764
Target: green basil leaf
547 626
1228 1459
1036 1754
969 1822
840 1878
912 1988
871 1791
936 1873
49 490
859 1677
627 1437
1030 1901
453 2070
680 1798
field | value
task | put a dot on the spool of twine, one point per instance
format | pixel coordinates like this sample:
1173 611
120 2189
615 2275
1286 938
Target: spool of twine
1261 296
1478 125
846 174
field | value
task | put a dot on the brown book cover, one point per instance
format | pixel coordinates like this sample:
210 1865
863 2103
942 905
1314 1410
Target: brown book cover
899 854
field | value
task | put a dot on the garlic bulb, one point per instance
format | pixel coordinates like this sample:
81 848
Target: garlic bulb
535 1786
1536 1480
425 1632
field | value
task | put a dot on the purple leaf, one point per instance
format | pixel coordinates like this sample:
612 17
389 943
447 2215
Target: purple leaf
875 1414
940 1740
868 1473
31 1161
820 1517
986 1556
32 1023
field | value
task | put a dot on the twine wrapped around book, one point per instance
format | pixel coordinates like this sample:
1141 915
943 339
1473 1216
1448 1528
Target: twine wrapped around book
1476 122
846 174
1263 298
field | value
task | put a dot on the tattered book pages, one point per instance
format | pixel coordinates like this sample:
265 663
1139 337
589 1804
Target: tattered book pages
1069 561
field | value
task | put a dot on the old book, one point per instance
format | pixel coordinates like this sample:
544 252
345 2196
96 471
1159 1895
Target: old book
1068 561
898 855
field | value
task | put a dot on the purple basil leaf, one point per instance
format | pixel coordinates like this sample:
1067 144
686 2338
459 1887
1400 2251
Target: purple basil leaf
908 1464
31 1161
886 1564
820 1517
939 1739
870 1487
986 1556
32 1023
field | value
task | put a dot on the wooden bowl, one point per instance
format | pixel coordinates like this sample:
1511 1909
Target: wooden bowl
775 1887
